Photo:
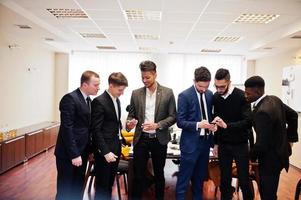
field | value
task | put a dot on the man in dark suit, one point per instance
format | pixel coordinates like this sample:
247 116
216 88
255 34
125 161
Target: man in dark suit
153 110
276 126
233 117
193 117
106 134
73 142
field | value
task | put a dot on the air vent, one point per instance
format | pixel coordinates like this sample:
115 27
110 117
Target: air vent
146 37
106 47
92 35
67 13
296 37
143 15
256 18
226 39
268 48
211 50
23 26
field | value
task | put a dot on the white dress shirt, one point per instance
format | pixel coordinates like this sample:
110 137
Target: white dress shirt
150 105
202 133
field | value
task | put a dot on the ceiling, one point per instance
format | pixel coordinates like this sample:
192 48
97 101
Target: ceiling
162 26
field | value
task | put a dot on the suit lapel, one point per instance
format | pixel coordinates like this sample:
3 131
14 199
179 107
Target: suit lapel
142 100
196 102
158 100
111 106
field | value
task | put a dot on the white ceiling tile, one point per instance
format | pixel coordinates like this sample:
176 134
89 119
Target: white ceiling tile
152 5
218 17
105 14
184 6
99 4
169 16
111 23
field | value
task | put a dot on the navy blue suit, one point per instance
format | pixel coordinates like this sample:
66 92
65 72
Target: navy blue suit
194 148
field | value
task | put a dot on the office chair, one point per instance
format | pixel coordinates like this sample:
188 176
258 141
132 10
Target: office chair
298 189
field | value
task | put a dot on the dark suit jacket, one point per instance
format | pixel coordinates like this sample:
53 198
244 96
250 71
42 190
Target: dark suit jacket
74 136
188 115
165 112
105 126
275 125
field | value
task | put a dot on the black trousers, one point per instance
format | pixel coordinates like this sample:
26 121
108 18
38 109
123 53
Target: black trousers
268 183
70 179
226 154
145 148
105 175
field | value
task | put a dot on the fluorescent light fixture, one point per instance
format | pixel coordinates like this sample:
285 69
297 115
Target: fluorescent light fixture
106 47
143 15
92 35
256 18
146 37
211 50
67 13
226 39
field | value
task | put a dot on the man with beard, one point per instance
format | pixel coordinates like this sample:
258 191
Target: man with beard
152 111
232 115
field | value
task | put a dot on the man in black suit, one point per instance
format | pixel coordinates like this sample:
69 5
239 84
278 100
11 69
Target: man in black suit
73 140
276 127
106 134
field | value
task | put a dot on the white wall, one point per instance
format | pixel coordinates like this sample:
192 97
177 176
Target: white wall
61 80
26 85
270 68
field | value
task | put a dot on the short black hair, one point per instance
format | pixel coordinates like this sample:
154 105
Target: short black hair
117 78
222 74
202 74
147 66
254 82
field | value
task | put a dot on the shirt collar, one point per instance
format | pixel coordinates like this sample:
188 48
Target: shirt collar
258 100
84 94
230 90
112 97
148 92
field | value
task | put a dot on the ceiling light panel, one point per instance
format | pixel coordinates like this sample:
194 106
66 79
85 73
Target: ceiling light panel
226 39
147 49
23 26
92 35
141 15
106 47
211 50
256 18
146 37
67 13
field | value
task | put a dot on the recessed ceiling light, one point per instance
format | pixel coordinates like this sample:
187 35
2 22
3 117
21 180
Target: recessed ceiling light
146 37
49 39
147 49
67 13
256 18
143 15
92 35
211 50
106 47
226 39
23 26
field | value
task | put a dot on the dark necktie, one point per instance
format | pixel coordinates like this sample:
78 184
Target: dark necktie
89 103
203 112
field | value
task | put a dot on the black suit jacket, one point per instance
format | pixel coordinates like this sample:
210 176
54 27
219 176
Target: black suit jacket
74 136
275 125
105 126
